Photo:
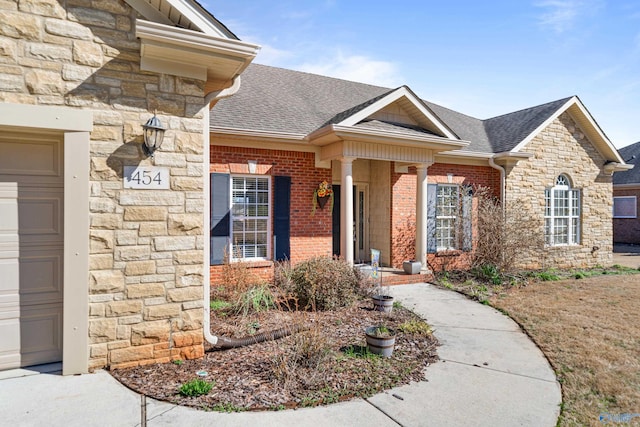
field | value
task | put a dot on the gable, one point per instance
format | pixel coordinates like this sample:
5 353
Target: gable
586 127
404 107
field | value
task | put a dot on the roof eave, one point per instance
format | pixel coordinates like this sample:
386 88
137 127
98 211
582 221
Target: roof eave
333 133
191 54
257 134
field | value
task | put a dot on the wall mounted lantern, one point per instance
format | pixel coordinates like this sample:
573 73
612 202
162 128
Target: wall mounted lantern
153 135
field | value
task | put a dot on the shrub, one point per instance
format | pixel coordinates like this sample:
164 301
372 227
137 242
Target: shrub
195 388
503 238
323 283
254 300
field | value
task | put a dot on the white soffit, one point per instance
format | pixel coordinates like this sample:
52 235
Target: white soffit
586 122
181 13
192 54
411 104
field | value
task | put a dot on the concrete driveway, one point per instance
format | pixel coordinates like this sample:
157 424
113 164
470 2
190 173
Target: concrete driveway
626 255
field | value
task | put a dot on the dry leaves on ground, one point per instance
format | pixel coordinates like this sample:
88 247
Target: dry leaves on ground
325 364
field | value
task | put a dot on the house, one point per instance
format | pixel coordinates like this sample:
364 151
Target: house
102 252
626 192
104 257
399 166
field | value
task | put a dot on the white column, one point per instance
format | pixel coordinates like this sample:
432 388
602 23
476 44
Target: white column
346 209
421 215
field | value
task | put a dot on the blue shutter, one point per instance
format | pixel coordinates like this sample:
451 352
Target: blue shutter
220 217
432 190
467 225
282 217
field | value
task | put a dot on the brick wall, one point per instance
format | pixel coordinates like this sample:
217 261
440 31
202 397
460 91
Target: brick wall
403 209
146 249
562 148
310 235
627 230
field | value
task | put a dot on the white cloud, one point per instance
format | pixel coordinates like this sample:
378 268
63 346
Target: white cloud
358 68
562 15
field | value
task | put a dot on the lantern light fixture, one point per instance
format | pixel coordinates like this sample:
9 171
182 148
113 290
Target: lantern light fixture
153 135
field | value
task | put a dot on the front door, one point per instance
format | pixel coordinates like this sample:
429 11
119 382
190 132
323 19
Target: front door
31 296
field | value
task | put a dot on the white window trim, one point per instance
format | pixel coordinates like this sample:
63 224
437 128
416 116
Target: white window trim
570 190
455 217
269 223
635 206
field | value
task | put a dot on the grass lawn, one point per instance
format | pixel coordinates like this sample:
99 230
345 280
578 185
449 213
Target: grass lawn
589 329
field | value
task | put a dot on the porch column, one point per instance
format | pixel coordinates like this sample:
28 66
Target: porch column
346 209
421 214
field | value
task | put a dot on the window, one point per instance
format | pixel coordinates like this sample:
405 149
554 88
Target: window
447 210
250 217
625 207
562 213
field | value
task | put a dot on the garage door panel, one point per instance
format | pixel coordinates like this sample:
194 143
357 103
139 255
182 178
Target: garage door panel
31 155
40 333
40 277
41 217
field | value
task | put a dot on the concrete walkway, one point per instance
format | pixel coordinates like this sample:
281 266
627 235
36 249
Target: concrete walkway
490 374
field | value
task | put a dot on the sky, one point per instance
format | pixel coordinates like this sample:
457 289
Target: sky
482 58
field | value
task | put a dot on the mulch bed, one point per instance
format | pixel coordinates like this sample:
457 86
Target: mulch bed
326 363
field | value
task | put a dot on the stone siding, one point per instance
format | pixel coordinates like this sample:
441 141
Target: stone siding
146 249
562 148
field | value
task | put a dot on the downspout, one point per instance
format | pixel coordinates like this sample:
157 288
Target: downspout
209 98
503 182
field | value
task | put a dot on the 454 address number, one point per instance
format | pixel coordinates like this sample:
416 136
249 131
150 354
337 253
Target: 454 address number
146 177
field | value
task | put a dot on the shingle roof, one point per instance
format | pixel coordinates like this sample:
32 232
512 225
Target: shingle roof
506 131
631 176
286 101
275 99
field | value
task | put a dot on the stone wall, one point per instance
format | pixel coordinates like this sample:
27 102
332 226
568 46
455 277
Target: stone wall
146 249
562 148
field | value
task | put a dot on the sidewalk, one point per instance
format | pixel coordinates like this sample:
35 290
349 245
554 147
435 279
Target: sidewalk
490 374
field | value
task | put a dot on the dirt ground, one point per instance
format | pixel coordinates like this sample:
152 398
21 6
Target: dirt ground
590 331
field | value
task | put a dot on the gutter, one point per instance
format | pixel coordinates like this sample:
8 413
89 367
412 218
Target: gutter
503 181
209 98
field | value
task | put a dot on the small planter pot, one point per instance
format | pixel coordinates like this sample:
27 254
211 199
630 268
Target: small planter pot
380 340
382 303
412 267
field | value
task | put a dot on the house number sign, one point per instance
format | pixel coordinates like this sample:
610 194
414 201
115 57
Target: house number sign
146 177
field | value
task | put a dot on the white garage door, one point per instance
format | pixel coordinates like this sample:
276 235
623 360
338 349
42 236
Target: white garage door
31 296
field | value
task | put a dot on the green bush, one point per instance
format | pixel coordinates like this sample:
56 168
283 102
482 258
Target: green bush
322 283
195 388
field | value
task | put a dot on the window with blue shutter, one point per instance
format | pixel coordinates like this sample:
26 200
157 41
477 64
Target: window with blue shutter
220 217
282 217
